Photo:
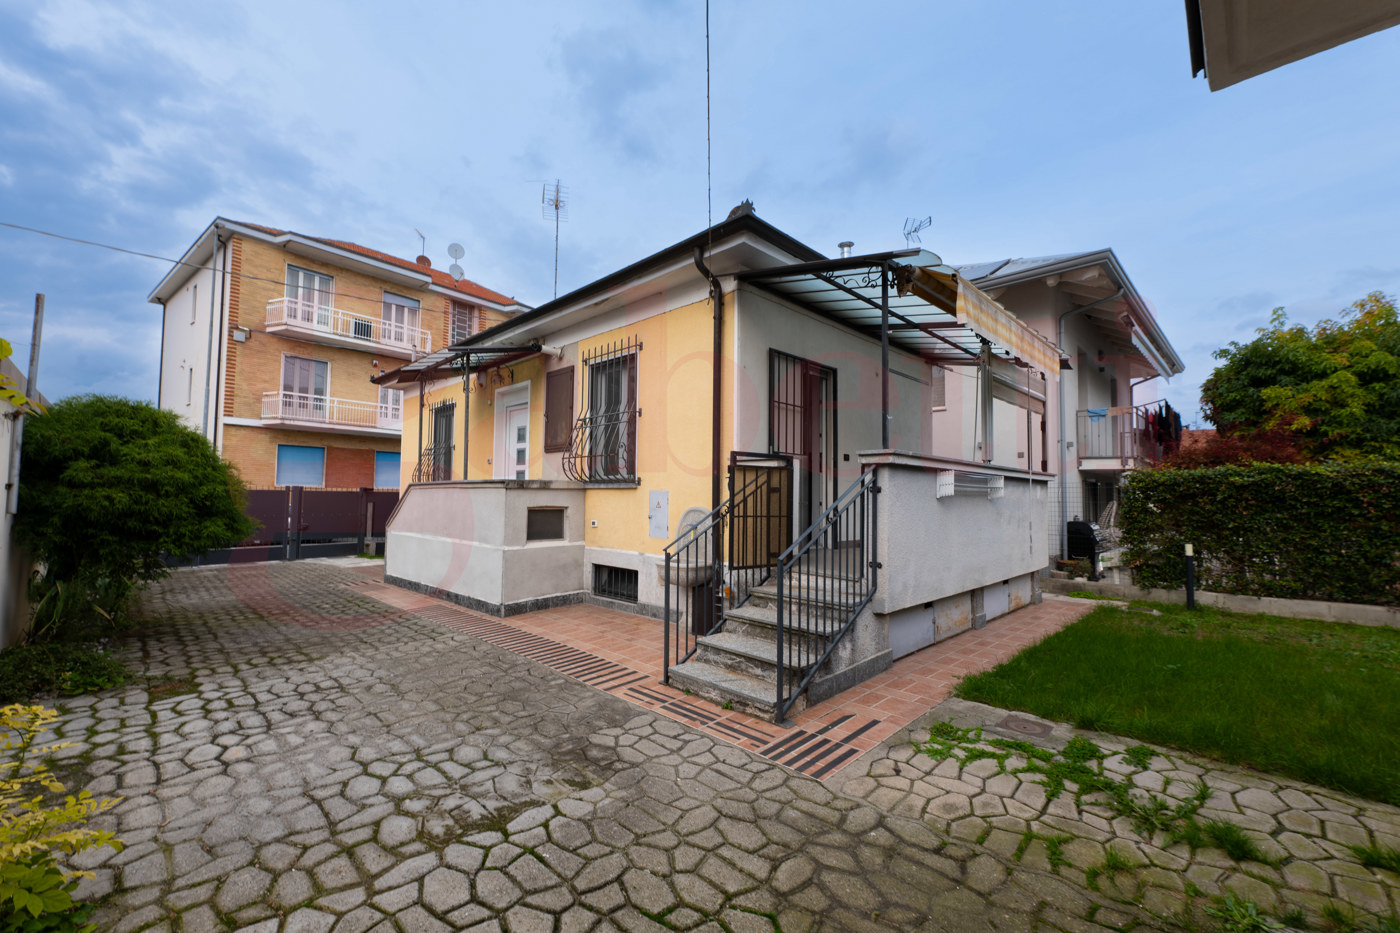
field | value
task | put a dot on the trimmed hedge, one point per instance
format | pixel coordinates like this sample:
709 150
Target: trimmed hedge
1300 531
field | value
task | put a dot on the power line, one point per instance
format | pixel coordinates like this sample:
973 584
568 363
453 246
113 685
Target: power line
377 300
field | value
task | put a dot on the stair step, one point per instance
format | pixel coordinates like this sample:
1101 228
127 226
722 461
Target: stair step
761 650
743 692
762 621
835 599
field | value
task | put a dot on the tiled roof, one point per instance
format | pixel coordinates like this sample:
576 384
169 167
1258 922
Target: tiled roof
439 277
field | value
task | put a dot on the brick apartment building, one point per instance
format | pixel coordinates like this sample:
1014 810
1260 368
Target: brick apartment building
269 340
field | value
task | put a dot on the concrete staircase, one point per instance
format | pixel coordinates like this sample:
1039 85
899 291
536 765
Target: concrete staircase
737 666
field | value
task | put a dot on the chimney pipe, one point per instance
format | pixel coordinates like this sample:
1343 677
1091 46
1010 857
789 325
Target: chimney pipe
845 247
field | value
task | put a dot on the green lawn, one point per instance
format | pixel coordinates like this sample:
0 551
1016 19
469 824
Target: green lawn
1318 701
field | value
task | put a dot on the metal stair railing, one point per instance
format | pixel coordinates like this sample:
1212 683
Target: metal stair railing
824 581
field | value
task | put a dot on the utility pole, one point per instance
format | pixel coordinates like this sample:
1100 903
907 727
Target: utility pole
31 380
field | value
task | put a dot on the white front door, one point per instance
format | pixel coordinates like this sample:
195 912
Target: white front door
517 442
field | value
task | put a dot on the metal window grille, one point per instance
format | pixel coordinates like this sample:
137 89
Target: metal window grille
435 458
802 425
603 445
615 583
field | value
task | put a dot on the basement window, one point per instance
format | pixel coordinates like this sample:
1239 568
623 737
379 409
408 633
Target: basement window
545 524
615 583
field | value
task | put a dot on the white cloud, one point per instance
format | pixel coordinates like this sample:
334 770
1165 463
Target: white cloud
19 83
7 177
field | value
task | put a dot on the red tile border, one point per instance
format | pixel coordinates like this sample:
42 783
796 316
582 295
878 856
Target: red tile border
820 740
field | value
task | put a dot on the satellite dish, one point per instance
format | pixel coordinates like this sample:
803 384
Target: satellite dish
455 270
455 251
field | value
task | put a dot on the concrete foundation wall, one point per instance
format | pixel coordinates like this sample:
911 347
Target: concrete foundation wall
933 549
468 539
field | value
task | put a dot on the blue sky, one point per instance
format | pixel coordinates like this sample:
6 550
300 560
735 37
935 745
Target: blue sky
1022 128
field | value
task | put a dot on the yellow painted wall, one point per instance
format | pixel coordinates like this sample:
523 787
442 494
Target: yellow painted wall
673 431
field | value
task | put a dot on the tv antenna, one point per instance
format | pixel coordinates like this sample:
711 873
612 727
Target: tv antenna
912 226
422 242
456 252
556 204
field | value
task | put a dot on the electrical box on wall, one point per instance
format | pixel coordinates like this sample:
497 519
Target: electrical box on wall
658 514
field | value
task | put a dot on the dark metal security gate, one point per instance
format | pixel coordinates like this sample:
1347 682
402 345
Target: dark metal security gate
802 425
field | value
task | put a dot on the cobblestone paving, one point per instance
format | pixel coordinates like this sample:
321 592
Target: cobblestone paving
305 759
1304 832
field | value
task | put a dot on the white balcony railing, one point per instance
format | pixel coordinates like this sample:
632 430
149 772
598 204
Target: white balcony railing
322 409
321 319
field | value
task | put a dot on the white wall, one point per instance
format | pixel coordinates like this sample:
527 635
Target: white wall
763 322
186 364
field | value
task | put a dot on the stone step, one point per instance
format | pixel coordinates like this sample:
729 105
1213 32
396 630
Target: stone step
752 655
730 689
834 598
762 622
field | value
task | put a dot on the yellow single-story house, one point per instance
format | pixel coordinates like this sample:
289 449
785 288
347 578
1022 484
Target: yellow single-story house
750 441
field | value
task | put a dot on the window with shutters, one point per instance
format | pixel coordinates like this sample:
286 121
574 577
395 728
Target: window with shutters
465 321
603 444
558 409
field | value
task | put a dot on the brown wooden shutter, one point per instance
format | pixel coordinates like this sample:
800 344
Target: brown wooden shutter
558 409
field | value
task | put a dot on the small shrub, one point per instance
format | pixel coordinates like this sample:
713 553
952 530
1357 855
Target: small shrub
27 671
36 891
1232 839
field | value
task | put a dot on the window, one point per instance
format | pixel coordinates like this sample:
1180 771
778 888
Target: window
465 321
400 319
544 524
386 469
615 583
304 384
194 302
390 406
603 445
938 389
189 385
558 409
300 466
309 296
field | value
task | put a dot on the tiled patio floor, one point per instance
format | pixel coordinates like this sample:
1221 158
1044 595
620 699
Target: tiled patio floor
621 653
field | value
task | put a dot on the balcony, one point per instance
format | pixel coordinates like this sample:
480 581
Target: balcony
333 415
336 328
1116 439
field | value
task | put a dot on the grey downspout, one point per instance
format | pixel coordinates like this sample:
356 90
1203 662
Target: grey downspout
717 297
1060 392
209 350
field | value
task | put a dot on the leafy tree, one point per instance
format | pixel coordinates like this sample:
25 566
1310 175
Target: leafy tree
109 485
1336 387
9 389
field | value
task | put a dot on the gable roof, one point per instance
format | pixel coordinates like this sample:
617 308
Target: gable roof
1094 276
439 277
742 220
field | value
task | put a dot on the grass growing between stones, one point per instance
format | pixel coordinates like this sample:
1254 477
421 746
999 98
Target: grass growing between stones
1292 696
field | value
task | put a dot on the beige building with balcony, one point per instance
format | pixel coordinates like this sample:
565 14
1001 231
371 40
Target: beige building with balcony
269 340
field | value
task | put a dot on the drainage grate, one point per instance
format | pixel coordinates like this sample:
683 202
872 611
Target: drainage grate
1024 726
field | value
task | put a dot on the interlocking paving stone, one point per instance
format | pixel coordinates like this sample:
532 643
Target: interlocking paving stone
404 774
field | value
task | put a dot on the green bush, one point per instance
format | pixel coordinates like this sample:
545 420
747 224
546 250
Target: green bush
56 668
1302 531
108 488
